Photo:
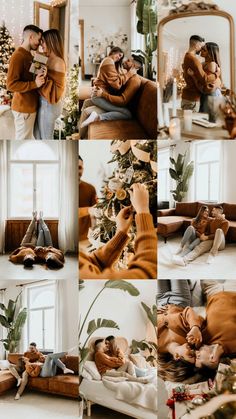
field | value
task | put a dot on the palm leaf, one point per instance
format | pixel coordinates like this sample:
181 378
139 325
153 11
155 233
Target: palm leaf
20 320
4 322
99 323
151 313
124 286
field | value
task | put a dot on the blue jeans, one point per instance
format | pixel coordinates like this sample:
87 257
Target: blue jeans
51 363
113 112
189 239
176 291
46 118
44 236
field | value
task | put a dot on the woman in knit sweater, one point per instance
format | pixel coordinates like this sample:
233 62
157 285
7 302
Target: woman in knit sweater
178 331
50 103
99 264
111 77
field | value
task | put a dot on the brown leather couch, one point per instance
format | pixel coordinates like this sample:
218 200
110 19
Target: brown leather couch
63 385
144 123
175 220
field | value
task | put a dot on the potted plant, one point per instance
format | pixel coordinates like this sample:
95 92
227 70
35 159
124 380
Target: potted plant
181 173
13 320
146 11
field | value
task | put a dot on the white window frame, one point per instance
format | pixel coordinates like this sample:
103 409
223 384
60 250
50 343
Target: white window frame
208 164
167 174
43 309
34 163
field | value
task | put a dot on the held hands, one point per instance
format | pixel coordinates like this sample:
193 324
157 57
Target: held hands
190 72
194 336
124 219
40 80
203 237
139 197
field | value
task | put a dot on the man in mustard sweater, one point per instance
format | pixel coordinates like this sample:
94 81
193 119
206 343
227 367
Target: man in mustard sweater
212 241
114 366
122 99
22 83
219 337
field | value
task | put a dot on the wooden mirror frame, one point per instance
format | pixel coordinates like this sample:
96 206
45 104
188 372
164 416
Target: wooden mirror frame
219 13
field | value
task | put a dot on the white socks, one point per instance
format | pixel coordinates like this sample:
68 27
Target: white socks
18 382
93 117
17 397
68 371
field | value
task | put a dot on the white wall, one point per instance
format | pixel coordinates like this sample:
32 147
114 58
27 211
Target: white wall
229 172
96 155
119 306
103 19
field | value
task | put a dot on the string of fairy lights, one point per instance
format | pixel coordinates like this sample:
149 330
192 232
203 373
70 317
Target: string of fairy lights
16 15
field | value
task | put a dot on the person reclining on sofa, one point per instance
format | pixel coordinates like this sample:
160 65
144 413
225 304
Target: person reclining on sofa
213 240
99 264
109 104
37 364
114 366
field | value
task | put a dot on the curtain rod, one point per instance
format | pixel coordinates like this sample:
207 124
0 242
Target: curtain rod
35 282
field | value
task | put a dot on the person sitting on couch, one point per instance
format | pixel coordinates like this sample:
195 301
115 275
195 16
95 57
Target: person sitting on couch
213 240
110 104
37 364
99 264
114 366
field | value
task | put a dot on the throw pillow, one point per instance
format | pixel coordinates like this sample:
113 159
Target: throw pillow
91 367
85 374
4 365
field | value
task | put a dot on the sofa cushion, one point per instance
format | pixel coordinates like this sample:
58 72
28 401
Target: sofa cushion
186 208
230 211
119 129
7 381
231 234
38 383
71 362
67 385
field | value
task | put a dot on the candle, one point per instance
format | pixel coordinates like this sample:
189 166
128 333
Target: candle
174 129
159 107
174 99
188 114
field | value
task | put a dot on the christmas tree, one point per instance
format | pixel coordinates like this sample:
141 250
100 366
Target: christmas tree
69 125
6 51
136 163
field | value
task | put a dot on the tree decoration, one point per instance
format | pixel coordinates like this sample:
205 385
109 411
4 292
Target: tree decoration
6 51
136 163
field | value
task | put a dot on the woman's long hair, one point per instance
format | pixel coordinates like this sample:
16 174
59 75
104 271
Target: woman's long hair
173 370
118 64
213 52
198 217
54 42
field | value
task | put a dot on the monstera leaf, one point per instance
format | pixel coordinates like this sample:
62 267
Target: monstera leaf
124 286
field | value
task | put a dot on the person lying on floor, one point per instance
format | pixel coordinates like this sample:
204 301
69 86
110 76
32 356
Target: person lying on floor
37 364
28 256
113 366
99 265
185 336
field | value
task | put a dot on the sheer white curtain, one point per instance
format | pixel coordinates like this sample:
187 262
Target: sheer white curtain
2 335
3 193
68 196
59 315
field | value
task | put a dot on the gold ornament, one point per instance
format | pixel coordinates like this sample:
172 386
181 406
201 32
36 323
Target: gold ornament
121 194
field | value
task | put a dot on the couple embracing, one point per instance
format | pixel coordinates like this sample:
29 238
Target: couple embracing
37 88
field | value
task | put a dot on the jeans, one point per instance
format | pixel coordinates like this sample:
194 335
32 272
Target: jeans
175 292
211 246
51 363
189 239
30 237
44 236
46 118
113 112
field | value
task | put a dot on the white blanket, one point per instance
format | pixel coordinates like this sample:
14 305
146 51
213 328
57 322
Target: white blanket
144 395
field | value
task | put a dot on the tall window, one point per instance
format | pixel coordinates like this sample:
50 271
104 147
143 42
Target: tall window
163 175
207 171
41 316
33 179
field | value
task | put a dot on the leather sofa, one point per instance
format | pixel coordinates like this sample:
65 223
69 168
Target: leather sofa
62 385
176 220
143 125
